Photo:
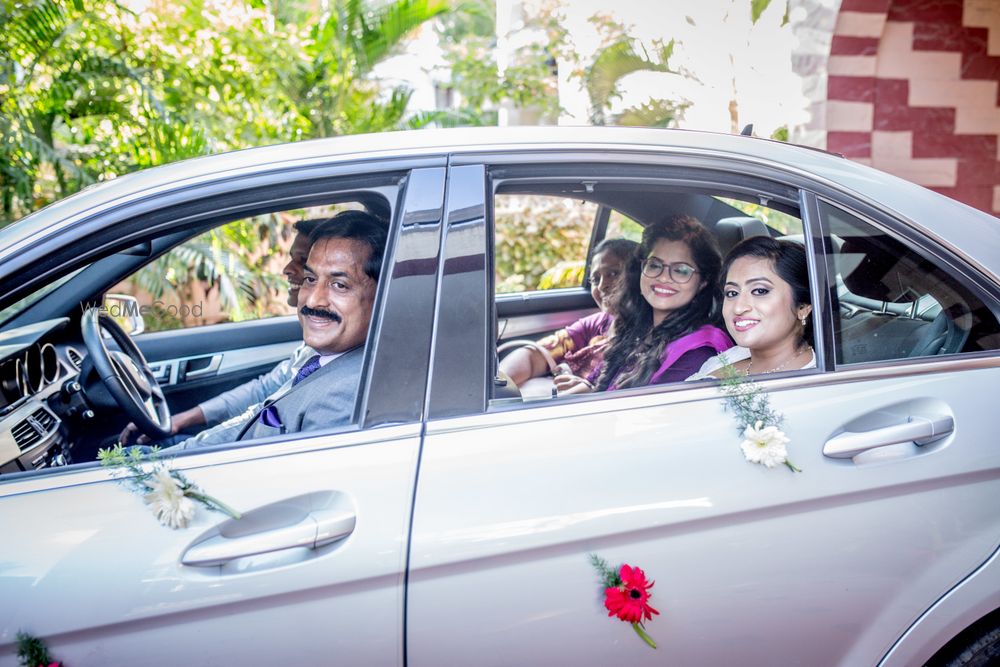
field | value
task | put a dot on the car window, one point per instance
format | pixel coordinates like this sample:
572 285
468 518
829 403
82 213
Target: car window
622 226
20 306
232 273
894 302
55 407
574 334
541 241
778 222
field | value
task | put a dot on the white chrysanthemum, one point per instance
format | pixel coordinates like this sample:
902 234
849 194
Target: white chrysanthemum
764 445
167 500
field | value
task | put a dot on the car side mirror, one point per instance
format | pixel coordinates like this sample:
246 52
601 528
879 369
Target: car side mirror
126 311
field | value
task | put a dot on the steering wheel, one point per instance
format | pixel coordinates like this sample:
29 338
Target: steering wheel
126 375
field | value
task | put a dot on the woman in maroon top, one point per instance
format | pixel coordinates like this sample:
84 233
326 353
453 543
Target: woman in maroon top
580 346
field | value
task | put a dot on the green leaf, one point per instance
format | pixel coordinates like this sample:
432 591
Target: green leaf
384 32
32 651
614 63
610 577
758 7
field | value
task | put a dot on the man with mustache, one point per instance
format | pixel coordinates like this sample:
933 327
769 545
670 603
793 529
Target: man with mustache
236 401
335 309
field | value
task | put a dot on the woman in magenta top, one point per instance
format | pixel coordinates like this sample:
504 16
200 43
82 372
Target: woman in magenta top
665 327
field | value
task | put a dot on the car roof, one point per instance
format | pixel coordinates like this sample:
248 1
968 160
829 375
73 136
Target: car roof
970 232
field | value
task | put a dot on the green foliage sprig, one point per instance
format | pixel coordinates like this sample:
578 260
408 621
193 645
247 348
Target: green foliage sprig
763 440
32 651
609 576
168 492
748 402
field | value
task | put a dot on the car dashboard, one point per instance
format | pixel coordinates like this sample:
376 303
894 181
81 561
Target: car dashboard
39 391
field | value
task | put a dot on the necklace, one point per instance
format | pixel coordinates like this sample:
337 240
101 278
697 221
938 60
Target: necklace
807 348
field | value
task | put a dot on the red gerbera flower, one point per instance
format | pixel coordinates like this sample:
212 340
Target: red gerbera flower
630 601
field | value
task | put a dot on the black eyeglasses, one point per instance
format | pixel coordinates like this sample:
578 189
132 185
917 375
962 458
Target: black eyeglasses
679 272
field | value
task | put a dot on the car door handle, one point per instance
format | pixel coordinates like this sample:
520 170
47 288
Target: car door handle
316 529
199 367
920 430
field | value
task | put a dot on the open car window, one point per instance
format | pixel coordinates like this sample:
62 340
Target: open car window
572 333
208 300
232 273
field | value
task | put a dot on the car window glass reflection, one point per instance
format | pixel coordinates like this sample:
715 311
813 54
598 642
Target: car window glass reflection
895 303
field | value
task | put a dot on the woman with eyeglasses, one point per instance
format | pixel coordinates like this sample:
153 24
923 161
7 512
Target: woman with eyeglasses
664 331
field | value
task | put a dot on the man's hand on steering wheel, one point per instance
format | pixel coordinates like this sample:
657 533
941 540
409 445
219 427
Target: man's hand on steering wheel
178 422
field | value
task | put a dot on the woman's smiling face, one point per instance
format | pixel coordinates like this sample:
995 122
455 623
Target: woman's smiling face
759 307
663 293
605 274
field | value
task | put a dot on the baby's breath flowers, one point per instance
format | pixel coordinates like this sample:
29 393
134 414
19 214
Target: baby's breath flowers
763 440
170 495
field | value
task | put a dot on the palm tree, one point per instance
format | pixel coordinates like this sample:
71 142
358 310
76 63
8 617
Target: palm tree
84 97
613 63
63 71
332 83
627 56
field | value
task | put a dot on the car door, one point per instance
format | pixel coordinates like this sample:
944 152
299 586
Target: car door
751 565
88 569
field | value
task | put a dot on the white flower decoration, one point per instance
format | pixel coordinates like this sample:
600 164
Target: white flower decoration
765 445
167 500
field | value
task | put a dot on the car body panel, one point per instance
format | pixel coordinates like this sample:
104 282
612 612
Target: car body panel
101 543
828 563
973 599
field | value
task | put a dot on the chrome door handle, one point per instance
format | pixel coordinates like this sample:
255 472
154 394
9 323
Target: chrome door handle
214 361
318 528
921 430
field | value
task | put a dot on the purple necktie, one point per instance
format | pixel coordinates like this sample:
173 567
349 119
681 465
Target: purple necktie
308 369
269 415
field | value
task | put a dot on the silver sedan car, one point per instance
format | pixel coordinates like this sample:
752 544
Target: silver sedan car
453 520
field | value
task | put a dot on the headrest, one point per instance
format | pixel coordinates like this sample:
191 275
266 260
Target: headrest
730 231
871 269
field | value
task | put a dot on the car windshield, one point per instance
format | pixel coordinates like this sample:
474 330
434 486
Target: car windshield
18 307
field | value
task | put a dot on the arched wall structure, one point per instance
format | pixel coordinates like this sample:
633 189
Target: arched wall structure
912 88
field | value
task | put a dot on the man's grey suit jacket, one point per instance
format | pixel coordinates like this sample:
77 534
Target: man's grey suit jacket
323 400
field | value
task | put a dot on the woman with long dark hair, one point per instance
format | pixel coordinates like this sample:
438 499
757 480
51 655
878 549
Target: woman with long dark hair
664 330
767 308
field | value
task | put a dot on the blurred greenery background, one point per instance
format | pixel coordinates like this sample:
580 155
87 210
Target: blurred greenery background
94 89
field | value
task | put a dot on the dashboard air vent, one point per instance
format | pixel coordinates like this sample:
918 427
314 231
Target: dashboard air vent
30 431
25 435
44 418
74 357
